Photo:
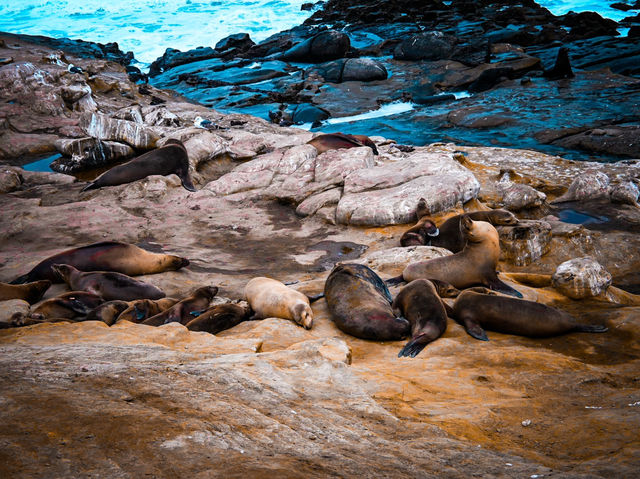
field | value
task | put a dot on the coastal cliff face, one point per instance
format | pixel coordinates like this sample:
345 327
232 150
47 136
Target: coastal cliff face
269 397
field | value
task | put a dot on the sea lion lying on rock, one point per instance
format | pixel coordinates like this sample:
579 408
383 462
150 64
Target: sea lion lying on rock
269 298
219 318
186 309
336 141
30 292
142 309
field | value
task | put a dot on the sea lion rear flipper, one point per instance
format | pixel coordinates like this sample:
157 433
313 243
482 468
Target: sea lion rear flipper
590 328
474 330
188 184
413 347
497 285
90 186
395 280
315 297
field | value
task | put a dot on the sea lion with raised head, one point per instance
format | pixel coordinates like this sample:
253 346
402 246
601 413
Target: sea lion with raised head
186 309
420 304
115 256
477 312
269 298
219 318
359 303
336 141
474 265
30 292
168 159
142 309
107 284
451 237
423 231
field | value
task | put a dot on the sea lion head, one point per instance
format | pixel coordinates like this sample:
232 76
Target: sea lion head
206 292
478 231
444 289
177 262
303 315
63 270
504 217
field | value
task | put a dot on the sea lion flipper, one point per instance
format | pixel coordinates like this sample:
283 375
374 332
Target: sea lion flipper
90 186
25 278
590 328
395 280
315 297
495 284
475 330
413 347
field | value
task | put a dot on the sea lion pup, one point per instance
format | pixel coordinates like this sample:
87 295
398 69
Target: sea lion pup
168 159
107 312
219 318
336 141
107 284
476 312
423 231
123 258
451 236
420 303
68 305
474 265
269 298
186 309
30 292
360 304
142 309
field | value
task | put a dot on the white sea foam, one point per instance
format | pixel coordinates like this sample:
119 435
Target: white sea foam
385 110
560 7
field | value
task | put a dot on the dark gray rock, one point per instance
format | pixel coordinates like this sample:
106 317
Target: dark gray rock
426 46
328 45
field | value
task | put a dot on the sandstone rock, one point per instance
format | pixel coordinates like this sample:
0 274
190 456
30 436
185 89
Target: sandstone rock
324 46
11 307
10 180
152 188
334 166
393 260
581 278
589 185
160 116
78 98
88 153
31 86
516 196
204 147
103 127
315 202
426 46
525 242
131 113
626 192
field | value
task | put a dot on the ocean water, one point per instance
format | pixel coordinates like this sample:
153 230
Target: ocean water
148 27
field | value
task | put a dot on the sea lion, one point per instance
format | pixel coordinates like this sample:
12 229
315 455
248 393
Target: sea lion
423 231
451 237
474 265
107 284
420 303
168 159
68 305
30 292
360 304
336 141
269 298
444 289
476 312
123 258
219 318
107 312
186 309
142 309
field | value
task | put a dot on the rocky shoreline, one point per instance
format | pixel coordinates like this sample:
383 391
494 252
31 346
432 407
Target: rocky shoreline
269 397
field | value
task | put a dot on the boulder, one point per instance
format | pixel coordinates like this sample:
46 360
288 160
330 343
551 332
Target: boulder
625 192
12 307
393 260
239 41
525 242
581 278
516 196
160 116
10 180
173 58
431 46
324 46
104 127
350 69
88 153
315 202
591 184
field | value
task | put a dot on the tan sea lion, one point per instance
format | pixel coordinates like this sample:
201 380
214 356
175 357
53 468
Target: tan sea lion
420 304
270 298
107 312
476 312
359 303
142 309
474 265
107 284
336 141
123 258
168 159
219 318
30 292
423 231
451 237
186 309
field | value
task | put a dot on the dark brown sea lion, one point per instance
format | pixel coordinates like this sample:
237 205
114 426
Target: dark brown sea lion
360 304
142 309
219 318
451 237
423 231
107 312
476 312
123 258
474 265
420 303
68 305
107 284
30 292
168 159
185 310
336 141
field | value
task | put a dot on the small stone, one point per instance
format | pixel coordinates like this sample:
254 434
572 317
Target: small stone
526 423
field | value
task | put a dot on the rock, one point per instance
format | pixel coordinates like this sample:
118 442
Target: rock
11 307
625 192
88 153
240 41
426 46
10 180
334 166
78 98
524 243
350 69
314 202
173 58
324 46
516 196
160 116
581 278
589 25
152 188
306 113
393 260
589 185
608 140
204 147
103 127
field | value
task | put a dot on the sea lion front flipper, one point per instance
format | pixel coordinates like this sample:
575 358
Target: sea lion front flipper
497 285
413 347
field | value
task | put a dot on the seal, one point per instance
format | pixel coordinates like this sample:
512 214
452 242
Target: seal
68 305
359 304
107 284
477 312
186 309
168 159
30 292
107 312
420 303
336 141
269 298
474 265
451 237
142 309
219 318
423 231
115 256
